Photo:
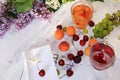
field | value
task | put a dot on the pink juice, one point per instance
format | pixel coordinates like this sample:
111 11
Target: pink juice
102 55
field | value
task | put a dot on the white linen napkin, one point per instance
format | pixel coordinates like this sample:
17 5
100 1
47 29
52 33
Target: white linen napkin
41 58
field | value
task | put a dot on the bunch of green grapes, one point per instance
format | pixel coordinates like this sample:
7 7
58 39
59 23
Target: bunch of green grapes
107 24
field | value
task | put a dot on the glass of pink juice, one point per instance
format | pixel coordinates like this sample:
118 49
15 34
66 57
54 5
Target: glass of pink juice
102 55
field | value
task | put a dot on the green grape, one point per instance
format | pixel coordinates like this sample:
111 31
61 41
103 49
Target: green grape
85 31
110 23
110 28
105 20
105 32
108 15
96 35
104 25
94 30
117 14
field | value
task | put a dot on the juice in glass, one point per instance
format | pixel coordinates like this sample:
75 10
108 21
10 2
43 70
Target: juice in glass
81 14
102 55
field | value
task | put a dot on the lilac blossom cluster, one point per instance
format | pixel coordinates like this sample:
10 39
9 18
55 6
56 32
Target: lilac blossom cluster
39 10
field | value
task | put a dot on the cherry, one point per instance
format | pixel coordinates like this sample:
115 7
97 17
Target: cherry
99 60
61 62
85 37
42 72
77 59
70 56
69 72
80 53
101 55
59 26
91 23
82 42
75 37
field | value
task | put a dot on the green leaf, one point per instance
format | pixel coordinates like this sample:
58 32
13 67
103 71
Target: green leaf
18 1
23 7
95 0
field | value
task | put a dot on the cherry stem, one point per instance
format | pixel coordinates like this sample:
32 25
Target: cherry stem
62 76
38 64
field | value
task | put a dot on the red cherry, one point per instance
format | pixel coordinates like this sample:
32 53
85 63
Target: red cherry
82 42
70 56
109 50
61 62
75 37
101 55
85 37
69 72
91 23
59 26
77 59
42 72
80 53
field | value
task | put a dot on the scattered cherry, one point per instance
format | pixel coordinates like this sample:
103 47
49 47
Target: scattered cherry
80 53
75 37
91 23
61 62
70 56
77 59
42 72
59 26
82 42
69 72
85 37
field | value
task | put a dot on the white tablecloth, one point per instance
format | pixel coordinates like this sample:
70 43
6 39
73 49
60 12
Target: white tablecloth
14 43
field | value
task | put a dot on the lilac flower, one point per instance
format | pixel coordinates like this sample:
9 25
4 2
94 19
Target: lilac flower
23 20
5 24
40 11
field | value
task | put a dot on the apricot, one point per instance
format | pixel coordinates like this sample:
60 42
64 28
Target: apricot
59 34
92 41
87 51
70 31
64 46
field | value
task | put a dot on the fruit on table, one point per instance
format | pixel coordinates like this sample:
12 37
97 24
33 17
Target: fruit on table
87 51
61 62
69 72
70 30
77 59
59 27
103 28
85 38
64 46
70 56
75 37
91 23
59 34
42 72
82 42
80 53
92 41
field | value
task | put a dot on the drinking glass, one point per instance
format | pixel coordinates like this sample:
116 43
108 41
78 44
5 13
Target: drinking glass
81 12
102 55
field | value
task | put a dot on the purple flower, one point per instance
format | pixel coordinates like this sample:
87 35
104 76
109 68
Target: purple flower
5 24
23 20
40 11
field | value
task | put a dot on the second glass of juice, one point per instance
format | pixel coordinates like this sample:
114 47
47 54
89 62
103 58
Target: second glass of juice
102 55
81 12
